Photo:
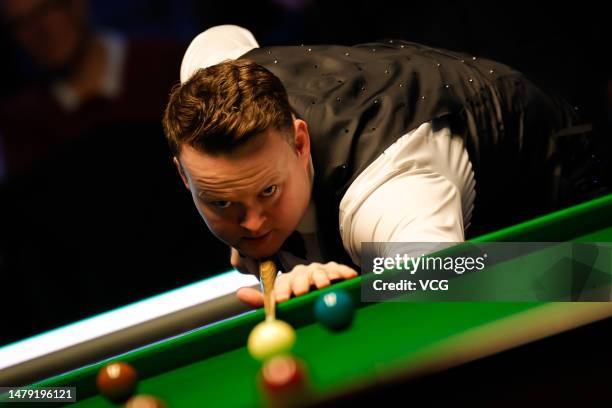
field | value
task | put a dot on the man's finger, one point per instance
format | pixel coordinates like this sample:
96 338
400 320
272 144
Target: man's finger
320 278
332 273
347 272
282 288
302 281
250 296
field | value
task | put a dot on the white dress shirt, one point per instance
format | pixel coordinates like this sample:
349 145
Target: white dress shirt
421 189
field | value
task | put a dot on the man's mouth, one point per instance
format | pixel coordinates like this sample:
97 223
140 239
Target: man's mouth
262 236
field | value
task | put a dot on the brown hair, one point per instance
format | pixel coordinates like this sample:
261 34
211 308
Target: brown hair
224 105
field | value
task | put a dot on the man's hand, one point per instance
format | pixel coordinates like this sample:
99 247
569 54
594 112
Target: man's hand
243 264
298 282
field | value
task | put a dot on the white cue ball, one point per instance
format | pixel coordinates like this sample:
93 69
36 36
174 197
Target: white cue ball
270 338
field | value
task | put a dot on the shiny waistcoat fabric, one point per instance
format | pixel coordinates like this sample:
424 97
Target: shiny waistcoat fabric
358 100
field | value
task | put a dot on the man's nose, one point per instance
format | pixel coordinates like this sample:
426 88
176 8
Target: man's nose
253 218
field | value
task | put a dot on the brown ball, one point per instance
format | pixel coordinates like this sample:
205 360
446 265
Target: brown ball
117 381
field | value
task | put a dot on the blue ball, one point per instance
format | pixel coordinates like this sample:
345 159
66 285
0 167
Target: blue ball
335 309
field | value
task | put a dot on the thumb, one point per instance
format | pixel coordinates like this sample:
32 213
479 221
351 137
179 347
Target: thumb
250 296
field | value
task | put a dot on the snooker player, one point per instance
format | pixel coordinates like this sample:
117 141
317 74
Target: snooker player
301 153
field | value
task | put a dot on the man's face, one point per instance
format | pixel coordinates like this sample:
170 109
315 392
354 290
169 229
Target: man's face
254 198
49 31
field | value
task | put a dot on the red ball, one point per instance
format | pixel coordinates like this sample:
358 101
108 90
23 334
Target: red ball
145 401
117 381
282 372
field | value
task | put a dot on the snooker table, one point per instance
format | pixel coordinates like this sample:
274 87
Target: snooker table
389 346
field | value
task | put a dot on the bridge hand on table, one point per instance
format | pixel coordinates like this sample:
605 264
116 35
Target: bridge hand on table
299 281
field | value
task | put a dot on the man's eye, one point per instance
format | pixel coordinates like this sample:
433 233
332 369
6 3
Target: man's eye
269 191
221 204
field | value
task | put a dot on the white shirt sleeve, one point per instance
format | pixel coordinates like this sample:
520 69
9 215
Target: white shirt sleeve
421 189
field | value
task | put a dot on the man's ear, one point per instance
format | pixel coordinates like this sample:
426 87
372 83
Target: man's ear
302 139
181 171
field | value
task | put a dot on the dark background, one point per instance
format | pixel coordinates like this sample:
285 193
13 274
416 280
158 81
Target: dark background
105 221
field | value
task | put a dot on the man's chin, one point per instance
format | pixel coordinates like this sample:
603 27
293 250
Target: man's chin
258 253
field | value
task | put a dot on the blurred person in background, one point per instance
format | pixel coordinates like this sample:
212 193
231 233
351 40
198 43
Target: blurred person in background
88 213
86 78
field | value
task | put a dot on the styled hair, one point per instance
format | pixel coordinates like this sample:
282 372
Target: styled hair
223 106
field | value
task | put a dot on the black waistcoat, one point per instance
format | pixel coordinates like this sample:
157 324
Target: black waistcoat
359 100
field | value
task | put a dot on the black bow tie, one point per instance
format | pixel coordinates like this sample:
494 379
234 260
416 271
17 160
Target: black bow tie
295 245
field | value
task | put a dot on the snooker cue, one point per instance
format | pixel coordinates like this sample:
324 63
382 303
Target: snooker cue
267 275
